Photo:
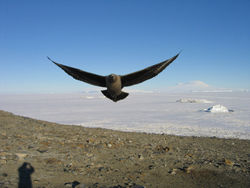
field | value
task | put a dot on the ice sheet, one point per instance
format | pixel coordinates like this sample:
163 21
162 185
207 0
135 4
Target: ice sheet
143 112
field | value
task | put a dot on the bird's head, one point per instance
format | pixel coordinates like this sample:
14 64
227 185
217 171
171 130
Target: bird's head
112 78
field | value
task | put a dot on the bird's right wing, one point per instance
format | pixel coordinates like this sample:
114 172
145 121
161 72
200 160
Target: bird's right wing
81 75
145 74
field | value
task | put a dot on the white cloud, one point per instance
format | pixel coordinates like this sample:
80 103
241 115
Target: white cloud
195 83
188 100
196 86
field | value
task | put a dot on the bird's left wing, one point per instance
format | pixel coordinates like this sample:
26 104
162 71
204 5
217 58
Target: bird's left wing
145 74
81 75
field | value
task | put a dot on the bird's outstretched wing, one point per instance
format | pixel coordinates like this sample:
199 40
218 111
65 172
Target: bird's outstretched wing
78 74
145 74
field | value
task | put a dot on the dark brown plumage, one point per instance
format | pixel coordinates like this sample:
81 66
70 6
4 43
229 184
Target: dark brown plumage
114 83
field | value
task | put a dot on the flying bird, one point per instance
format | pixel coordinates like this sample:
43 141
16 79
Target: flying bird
113 82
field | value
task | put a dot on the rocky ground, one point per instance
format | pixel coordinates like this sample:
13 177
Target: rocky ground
36 153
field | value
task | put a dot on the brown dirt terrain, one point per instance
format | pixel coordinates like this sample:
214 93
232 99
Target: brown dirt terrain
36 153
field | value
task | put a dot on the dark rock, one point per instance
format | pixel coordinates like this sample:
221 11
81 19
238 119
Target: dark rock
4 174
161 149
117 186
72 184
96 185
137 186
237 165
150 167
43 149
101 169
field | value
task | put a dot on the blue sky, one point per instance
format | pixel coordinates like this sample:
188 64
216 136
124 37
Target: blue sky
115 36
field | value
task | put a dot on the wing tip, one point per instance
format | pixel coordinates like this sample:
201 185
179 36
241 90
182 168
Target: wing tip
53 61
49 58
178 54
173 58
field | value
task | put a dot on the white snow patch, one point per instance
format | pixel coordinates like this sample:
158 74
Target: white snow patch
90 97
188 100
93 96
217 109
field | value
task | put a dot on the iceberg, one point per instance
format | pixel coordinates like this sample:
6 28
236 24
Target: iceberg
217 109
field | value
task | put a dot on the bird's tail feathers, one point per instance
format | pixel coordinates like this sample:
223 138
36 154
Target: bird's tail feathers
123 95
